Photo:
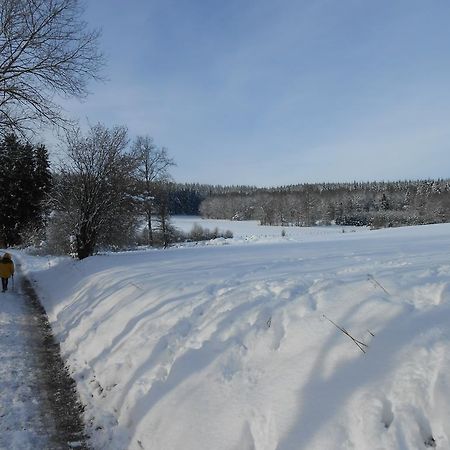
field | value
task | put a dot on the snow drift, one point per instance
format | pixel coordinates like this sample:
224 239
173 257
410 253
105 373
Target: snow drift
227 347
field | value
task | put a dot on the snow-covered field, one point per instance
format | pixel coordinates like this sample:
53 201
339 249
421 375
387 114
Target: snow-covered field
251 231
226 347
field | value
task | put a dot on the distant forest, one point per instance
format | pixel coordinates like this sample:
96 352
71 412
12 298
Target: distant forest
375 204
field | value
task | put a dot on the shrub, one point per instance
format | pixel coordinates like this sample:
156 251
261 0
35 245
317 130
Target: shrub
199 233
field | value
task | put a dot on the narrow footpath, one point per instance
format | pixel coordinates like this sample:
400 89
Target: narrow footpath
38 400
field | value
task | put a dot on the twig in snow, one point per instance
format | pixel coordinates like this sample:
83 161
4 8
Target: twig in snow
136 285
372 278
361 345
269 322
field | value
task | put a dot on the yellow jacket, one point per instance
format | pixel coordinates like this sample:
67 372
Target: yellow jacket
6 266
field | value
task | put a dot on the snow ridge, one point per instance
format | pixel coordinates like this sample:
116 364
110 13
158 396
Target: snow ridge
226 347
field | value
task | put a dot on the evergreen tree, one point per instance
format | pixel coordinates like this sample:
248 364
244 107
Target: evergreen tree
26 181
376 204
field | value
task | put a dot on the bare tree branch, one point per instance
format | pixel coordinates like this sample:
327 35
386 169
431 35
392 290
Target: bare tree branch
152 171
94 187
45 49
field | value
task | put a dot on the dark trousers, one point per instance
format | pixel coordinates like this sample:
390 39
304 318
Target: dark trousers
4 284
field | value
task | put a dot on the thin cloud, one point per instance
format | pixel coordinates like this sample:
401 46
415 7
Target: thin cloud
275 93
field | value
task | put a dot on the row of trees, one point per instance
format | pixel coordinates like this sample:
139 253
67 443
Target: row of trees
103 191
98 197
47 51
376 204
186 198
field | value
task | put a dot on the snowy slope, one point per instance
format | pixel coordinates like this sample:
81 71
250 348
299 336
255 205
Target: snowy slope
227 347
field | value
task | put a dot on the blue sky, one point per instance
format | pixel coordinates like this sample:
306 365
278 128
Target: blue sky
279 92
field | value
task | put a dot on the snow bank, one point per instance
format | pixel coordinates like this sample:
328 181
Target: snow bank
228 348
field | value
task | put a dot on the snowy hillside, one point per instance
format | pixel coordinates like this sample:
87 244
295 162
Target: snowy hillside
226 347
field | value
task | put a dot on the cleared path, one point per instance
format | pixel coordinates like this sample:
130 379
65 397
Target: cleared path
38 404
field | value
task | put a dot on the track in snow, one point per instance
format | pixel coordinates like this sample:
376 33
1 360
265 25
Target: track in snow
38 402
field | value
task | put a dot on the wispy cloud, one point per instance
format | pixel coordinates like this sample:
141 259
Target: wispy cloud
280 92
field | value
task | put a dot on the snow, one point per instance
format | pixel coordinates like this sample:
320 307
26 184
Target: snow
249 231
23 422
226 346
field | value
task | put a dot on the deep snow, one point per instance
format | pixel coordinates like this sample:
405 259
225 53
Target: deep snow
226 347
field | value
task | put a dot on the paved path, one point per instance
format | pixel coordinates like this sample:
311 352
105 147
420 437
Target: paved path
38 408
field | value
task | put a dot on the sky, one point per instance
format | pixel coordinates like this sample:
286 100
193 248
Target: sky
279 92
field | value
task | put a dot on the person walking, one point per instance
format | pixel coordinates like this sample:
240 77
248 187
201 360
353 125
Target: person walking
6 270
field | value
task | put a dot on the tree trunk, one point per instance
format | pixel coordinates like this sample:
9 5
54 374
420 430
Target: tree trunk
85 243
149 225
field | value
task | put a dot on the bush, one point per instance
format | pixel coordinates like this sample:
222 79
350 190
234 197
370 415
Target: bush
199 233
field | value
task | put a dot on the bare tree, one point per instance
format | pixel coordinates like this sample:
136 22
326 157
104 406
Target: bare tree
45 49
152 170
94 189
165 228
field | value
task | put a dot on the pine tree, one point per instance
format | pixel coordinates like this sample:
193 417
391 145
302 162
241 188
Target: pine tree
26 180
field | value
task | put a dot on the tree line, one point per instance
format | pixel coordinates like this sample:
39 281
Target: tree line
186 198
105 190
98 197
108 194
375 204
